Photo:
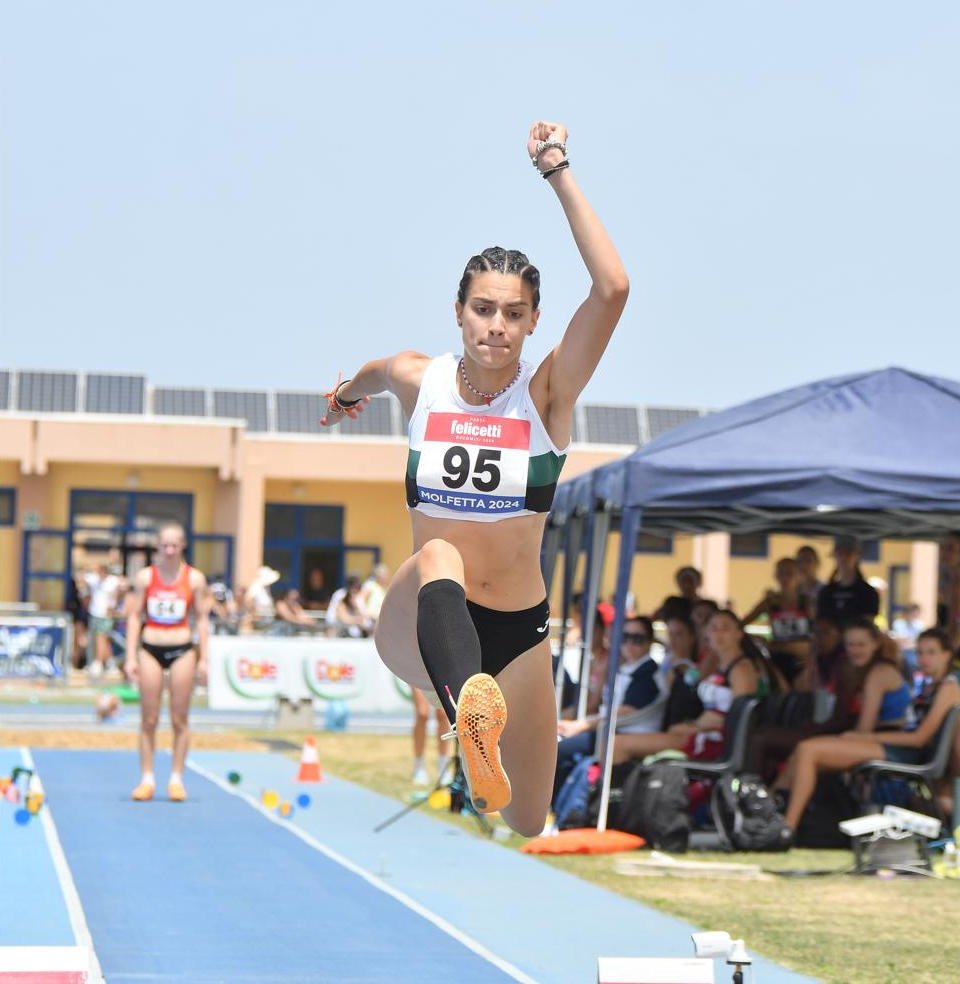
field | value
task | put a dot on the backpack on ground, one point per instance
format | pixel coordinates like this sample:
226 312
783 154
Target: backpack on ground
654 804
831 803
618 776
746 815
570 806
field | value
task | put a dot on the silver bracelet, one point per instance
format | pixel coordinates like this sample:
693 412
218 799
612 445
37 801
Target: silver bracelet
546 145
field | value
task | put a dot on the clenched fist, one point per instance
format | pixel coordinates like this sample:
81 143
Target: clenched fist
543 131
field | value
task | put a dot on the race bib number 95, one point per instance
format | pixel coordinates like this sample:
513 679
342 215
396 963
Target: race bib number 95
474 464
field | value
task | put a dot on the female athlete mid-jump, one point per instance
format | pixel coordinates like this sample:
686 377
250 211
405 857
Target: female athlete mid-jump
466 616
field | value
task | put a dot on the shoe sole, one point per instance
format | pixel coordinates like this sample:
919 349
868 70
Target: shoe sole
481 718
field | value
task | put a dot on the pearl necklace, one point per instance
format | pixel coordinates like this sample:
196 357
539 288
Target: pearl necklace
489 397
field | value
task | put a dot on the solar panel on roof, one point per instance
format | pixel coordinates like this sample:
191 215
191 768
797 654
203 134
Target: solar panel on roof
662 419
612 425
376 418
49 392
300 413
171 401
114 394
4 389
248 406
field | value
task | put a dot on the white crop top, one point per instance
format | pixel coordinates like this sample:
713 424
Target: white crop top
481 464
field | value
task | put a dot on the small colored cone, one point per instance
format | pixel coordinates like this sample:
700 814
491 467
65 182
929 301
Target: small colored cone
4 784
286 810
12 794
233 778
22 817
309 770
270 799
303 800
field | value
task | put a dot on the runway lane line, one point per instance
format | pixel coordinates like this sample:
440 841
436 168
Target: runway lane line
432 917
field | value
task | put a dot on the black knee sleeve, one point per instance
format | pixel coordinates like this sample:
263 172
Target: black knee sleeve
449 644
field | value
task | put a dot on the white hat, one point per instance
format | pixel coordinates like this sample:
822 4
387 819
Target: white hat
266 576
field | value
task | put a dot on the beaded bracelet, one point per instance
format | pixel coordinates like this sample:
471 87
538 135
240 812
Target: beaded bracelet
553 170
546 145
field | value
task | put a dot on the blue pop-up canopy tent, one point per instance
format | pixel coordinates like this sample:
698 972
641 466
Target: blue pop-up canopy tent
875 455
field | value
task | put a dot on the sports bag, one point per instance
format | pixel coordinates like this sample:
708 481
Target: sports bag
655 805
746 815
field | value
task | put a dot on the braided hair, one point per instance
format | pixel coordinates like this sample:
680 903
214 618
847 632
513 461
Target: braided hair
496 259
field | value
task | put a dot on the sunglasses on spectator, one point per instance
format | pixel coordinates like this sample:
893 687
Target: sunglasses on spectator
637 638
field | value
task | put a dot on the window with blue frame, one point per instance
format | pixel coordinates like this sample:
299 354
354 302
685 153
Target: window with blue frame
649 543
748 545
299 540
8 507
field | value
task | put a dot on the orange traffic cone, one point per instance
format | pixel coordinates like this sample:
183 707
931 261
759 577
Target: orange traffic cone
309 770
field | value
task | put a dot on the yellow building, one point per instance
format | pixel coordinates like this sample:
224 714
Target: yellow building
90 463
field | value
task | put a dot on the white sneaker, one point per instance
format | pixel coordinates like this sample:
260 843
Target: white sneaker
95 670
420 777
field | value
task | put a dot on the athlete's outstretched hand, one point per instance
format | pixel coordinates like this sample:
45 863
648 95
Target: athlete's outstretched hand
334 414
541 130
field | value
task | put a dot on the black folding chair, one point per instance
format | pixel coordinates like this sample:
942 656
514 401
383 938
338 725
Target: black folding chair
739 723
922 777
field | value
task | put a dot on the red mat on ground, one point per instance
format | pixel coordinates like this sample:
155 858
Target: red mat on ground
584 840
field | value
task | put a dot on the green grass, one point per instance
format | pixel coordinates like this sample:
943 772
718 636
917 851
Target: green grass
843 929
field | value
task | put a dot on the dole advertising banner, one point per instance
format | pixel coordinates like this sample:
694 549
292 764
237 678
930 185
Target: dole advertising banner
247 672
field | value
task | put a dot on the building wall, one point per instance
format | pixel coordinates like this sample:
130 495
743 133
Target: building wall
232 475
61 478
10 537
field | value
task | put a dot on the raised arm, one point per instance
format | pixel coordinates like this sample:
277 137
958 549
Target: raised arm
571 364
399 374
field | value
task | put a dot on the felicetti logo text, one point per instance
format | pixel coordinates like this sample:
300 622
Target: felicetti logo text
263 669
324 670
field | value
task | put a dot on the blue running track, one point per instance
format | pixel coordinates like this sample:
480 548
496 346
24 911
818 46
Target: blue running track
207 891
218 890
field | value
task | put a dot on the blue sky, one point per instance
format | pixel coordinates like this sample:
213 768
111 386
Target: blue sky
257 194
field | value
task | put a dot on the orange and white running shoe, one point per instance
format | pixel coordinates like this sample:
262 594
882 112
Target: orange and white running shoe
176 791
481 718
144 791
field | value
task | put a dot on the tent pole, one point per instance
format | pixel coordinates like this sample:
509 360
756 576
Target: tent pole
599 527
571 554
629 526
548 553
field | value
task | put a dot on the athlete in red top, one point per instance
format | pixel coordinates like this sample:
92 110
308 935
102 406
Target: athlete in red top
159 637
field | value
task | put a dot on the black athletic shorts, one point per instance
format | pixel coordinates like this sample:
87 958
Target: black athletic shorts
166 656
506 635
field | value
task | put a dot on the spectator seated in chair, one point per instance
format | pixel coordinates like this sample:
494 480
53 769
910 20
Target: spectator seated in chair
740 671
885 729
831 683
290 611
638 692
345 617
